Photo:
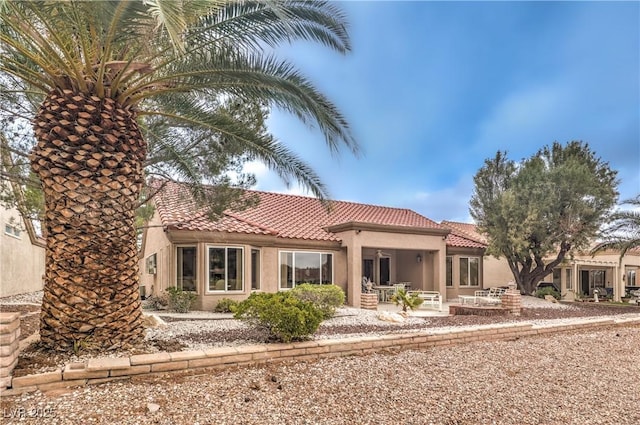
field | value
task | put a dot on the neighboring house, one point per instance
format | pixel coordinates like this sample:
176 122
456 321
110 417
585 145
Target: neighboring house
579 274
21 255
286 240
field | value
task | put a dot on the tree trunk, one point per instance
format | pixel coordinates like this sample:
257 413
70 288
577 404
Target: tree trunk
89 158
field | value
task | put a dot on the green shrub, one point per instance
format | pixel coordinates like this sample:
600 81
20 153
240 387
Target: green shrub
179 300
325 297
402 298
284 316
226 305
547 290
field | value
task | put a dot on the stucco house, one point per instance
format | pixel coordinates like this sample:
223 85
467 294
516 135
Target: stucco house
580 274
21 255
286 240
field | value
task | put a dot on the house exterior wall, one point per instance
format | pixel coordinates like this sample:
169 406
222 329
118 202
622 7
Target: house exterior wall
347 259
496 272
164 245
155 241
456 289
21 262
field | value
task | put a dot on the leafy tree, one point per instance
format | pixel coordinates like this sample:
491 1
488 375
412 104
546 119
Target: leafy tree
623 233
179 89
537 211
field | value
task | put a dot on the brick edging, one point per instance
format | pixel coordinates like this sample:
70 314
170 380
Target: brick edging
101 370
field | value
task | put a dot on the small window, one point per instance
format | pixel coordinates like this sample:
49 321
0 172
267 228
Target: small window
449 266
186 268
151 264
12 230
469 271
255 269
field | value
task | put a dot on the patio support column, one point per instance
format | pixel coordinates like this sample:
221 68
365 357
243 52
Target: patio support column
354 269
575 280
618 285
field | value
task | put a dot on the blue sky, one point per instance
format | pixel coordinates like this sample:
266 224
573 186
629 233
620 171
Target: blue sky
432 89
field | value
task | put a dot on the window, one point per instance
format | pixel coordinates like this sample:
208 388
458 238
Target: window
568 279
305 267
225 269
631 277
186 268
469 271
12 230
255 269
557 273
597 279
449 266
152 264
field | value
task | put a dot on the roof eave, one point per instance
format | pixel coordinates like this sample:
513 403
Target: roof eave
387 228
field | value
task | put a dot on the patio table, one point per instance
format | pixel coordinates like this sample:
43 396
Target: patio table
384 291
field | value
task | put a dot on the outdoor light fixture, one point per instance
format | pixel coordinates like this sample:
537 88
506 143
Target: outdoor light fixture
419 258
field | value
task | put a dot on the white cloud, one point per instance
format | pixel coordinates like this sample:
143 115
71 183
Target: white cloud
530 118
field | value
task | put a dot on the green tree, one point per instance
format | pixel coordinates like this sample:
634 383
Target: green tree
179 88
535 212
623 233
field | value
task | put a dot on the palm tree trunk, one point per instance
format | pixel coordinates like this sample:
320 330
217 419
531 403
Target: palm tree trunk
89 158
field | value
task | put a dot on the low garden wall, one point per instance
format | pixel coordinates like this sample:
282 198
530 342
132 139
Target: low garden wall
9 346
101 370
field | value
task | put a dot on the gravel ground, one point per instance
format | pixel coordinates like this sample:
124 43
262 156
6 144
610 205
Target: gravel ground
575 378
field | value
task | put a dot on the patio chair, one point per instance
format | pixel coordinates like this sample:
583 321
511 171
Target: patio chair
493 296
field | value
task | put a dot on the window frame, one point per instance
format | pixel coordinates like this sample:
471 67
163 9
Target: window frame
256 272
207 282
195 268
468 273
12 230
293 267
448 266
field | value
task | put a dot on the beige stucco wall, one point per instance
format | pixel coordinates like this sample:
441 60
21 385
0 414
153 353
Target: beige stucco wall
164 245
155 241
496 272
347 259
456 254
21 262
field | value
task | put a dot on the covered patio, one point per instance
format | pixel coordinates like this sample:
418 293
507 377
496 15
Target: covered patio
388 254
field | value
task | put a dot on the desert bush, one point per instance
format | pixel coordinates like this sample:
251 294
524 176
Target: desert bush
547 290
325 297
179 300
406 300
157 302
226 305
285 317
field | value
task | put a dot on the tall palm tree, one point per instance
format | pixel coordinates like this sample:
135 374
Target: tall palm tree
116 78
623 234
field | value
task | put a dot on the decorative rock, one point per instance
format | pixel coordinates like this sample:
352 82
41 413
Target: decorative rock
152 407
550 298
153 321
391 317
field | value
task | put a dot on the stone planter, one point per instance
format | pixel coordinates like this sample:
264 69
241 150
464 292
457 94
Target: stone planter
369 301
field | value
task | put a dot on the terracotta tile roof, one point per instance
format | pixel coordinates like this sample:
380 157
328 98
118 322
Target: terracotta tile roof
285 216
464 235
